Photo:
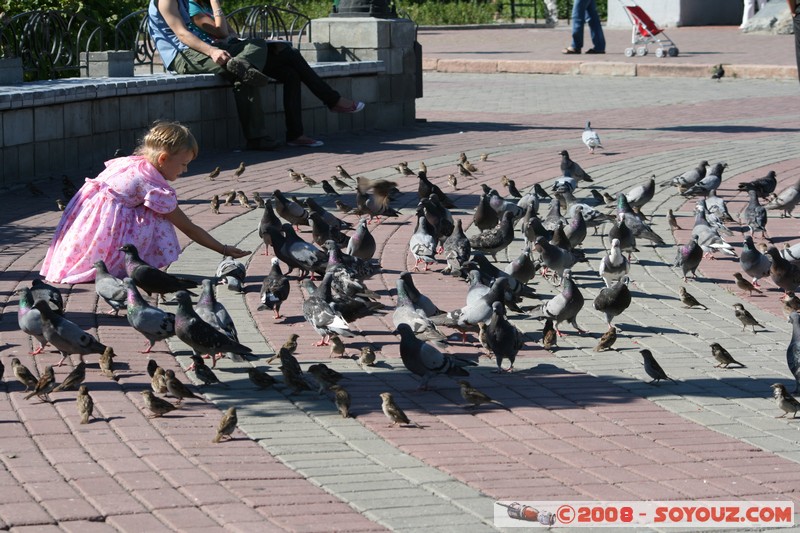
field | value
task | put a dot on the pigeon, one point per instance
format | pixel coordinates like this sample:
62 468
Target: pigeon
361 243
295 252
717 209
554 258
709 183
66 336
746 318
50 294
289 210
641 194
484 216
268 220
590 138
426 188
614 266
763 187
793 350
85 404
23 375
213 312
232 273
787 200
688 258
416 319
621 232
150 279
109 288
321 316
29 319
607 340
572 169
786 402
718 72
478 310
73 379
423 244
565 306
226 426
652 368
783 273
393 411
425 360
419 300
636 225
709 238
456 249
496 239
199 335
744 285
501 206
688 300
503 338
576 230
539 191
45 384
274 289
152 322
522 269
376 205
755 215
723 357
614 300
791 253
474 397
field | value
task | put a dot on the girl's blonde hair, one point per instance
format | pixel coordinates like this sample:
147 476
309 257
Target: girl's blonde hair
169 137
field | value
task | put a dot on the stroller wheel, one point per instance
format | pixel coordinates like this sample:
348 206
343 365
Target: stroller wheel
629 52
672 51
641 51
660 52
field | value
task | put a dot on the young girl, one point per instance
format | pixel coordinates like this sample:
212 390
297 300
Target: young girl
130 202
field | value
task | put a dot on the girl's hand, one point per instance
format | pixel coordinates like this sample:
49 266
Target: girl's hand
235 252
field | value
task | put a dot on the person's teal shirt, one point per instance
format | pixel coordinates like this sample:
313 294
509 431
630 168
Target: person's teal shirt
197 9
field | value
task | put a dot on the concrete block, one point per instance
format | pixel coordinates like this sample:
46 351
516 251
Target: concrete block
320 52
160 106
26 156
384 89
320 29
10 167
77 119
86 149
403 87
762 72
389 116
48 123
11 72
430 63
410 113
70 153
403 33
364 32
108 64
653 70
365 88
17 127
49 155
608 69
105 115
189 107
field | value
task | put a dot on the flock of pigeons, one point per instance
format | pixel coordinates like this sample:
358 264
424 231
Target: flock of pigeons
552 246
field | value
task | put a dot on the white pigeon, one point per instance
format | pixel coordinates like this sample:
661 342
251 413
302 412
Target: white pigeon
590 138
614 266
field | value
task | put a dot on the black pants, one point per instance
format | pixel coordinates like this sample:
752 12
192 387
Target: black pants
286 65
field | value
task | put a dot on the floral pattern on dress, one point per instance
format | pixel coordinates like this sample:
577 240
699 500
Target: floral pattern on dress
125 204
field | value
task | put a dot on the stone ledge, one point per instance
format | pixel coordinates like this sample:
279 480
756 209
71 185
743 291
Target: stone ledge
78 89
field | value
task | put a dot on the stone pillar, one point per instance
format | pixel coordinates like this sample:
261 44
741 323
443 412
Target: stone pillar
372 39
11 72
109 64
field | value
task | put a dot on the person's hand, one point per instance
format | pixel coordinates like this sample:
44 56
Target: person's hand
220 56
235 252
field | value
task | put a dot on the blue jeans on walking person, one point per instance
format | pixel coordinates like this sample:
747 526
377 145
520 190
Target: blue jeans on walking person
584 11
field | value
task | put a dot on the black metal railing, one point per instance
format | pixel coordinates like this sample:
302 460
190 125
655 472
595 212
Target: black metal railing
131 33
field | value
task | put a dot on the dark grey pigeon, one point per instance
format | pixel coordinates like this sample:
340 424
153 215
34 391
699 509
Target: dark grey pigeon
66 336
711 182
553 216
755 215
636 224
763 187
539 191
43 291
274 289
485 217
232 273
456 250
571 168
501 206
109 288
30 319
150 279
784 274
614 300
565 306
496 239
554 258
688 257
688 178
419 300
333 221
532 226
489 273
201 336
522 269
424 360
793 350
321 316
754 263
268 220
289 210
406 313
152 322
503 337
576 230
362 243
296 252
641 194
426 188
621 232
214 313
321 231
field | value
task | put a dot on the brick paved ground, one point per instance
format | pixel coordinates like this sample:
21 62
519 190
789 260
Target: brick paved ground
582 426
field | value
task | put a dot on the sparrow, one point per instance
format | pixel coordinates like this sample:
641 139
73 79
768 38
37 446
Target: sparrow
261 380
337 346
549 336
230 196
343 173
744 285
44 386
151 367
746 318
293 380
343 207
483 157
294 176
226 425
204 373
157 406
213 174
85 404
328 188
672 221
106 363
177 389
260 203
74 379
367 357
469 166
790 303
786 402
307 180
688 300
324 376
422 167
607 340
402 168
340 184
239 171
474 397
453 181
393 412
23 375
483 339
60 204
159 381
291 343
652 367
342 399
241 197
463 171
723 356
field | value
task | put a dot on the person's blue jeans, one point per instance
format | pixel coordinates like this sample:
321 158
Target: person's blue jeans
584 11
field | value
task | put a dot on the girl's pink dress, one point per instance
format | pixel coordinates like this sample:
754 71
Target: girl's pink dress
125 204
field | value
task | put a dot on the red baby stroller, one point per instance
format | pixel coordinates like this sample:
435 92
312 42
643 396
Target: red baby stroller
646 32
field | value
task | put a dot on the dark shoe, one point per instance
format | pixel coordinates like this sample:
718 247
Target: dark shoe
593 51
246 73
264 144
354 107
570 50
305 142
